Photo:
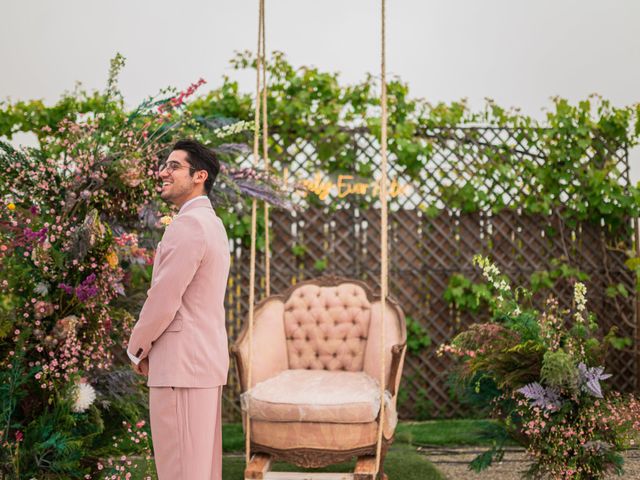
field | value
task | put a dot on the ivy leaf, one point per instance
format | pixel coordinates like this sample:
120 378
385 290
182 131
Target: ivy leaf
613 291
321 264
632 263
417 337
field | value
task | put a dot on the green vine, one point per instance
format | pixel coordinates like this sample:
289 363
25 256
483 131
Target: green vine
576 172
417 337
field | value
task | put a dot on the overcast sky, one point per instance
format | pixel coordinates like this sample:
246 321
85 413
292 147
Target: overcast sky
518 52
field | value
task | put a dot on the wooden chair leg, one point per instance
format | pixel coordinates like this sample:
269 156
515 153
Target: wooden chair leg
258 467
365 468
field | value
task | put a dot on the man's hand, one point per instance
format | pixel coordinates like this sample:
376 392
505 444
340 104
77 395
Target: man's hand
141 368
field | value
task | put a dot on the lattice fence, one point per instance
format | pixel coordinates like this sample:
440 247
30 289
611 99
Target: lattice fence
343 239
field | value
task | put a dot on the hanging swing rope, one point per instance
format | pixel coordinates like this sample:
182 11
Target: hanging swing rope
265 157
383 230
252 270
261 104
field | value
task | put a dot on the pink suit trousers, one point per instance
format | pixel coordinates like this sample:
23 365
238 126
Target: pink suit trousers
186 432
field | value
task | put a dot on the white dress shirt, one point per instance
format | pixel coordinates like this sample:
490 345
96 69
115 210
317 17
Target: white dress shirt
191 201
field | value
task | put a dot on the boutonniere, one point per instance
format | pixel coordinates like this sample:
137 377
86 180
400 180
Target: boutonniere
167 219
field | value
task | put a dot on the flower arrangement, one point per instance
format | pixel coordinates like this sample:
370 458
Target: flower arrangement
79 220
548 370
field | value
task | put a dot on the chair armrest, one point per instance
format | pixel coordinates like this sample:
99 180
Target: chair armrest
395 344
269 355
395 370
241 366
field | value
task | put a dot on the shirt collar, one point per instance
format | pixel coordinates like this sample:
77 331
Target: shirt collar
188 202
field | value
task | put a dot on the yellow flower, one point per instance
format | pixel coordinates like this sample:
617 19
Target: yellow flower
166 220
112 259
11 206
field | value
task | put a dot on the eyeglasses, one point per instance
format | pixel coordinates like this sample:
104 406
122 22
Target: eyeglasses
171 166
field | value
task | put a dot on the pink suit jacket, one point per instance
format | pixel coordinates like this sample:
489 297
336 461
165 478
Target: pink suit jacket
181 327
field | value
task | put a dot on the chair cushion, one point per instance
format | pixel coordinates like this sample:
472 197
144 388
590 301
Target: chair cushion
315 396
327 327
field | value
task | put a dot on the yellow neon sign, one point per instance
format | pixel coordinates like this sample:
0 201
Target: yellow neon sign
346 185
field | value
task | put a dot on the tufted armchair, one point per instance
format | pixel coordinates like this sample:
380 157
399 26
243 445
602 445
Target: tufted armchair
314 398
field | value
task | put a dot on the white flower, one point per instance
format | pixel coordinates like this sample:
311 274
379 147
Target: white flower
231 129
580 299
42 288
84 397
579 295
491 273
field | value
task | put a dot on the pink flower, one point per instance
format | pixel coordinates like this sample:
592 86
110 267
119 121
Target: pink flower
43 309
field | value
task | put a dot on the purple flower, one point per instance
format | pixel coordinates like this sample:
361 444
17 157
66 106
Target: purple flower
39 236
590 379
86 289
547 398
67 288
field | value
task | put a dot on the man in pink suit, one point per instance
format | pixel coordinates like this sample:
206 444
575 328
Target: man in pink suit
180 341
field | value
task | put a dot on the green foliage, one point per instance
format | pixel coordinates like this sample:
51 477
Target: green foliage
299 250
477 393
578 142
486 459
466 295
417 337
619 343
321 264
546 279
559 370
579 177
512 367
633 264
526 325
32 116
542 373
423 406
55 441
613 291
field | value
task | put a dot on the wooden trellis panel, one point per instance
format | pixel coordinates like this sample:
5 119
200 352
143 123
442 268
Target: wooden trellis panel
425 252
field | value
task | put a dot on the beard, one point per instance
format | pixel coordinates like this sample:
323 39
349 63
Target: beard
175 191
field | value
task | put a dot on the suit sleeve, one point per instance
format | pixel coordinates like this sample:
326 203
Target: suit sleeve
183 247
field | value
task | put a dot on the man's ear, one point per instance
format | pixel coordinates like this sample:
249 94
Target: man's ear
201 176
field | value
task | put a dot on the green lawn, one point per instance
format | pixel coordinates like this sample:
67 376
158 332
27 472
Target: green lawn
446 432
403 461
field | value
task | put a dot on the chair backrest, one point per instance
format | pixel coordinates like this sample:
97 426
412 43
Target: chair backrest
327 326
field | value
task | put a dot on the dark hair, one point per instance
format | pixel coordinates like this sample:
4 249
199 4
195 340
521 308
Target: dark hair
200 158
